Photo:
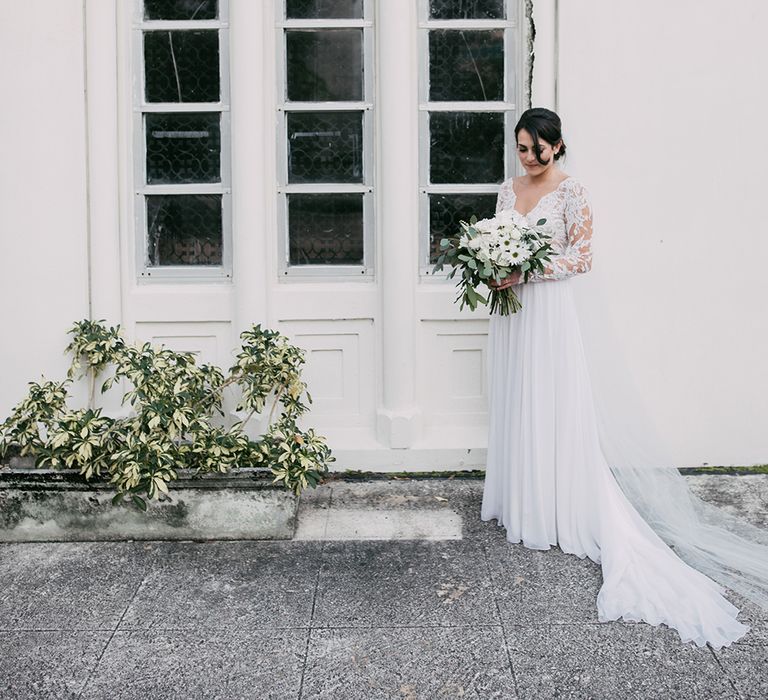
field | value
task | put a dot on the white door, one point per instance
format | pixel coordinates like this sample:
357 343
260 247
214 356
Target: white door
295 163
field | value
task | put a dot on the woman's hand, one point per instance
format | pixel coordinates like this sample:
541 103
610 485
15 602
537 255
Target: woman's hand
514 278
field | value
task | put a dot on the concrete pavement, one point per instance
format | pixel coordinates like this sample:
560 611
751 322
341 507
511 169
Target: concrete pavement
390 589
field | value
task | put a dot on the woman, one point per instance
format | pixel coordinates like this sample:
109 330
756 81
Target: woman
552 477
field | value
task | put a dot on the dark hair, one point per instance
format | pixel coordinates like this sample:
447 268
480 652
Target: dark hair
544 123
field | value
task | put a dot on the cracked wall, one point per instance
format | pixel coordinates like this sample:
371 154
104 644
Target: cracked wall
531 56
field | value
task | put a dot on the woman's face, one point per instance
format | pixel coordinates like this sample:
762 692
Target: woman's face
527 155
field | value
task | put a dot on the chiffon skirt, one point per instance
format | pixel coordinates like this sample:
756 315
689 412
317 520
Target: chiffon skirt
548 482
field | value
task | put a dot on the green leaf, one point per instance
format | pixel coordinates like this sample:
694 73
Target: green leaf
139 502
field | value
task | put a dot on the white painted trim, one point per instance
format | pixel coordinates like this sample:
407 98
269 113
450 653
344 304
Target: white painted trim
324 23
544 92
181 273
102 141
149 107
287 272
508 107
193 188
324 106
399 420
165 25
323 188
467 106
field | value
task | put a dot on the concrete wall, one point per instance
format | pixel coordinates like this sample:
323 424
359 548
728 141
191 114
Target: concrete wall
43 222
664 121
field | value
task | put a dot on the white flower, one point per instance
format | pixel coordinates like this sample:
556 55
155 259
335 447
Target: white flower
475 243
485 225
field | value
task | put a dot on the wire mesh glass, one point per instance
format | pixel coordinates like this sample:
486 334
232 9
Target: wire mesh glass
447 211
325 147
181 9
184 229
324 9
325 229
324 65
466 147
467 9
183 147
181 66
466 65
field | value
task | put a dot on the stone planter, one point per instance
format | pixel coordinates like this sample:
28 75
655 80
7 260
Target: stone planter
46 505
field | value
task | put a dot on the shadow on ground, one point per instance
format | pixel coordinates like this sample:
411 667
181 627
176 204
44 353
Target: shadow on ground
391 589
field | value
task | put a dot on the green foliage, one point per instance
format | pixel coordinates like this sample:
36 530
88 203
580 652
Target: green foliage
171 425
474 272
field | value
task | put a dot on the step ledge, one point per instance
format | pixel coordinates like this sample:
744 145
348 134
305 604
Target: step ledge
42 505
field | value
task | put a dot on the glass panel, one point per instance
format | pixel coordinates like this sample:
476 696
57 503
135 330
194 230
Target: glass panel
466 65
325 64
184 229
466 147
447 210
325 147
325 229
466 9
181 9
324 9
182 66
183 148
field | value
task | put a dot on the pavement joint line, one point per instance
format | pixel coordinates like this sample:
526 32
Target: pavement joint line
111 637
327 518
498 612
6 630
314 600
235 628
408 627
725 673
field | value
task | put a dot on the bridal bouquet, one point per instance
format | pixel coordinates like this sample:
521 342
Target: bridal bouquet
492 249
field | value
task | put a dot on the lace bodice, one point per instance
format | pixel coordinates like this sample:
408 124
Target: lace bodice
569 222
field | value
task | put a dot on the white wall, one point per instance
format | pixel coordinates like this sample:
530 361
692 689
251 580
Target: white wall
43 242
664 116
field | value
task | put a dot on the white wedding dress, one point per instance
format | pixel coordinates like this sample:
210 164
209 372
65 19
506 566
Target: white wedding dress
548 480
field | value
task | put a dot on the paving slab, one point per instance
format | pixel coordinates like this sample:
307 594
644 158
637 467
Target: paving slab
68 586
348 616
745 664
611 661
404 583
210 664
543 586
367 524
408 663
51 664
230 585
745 495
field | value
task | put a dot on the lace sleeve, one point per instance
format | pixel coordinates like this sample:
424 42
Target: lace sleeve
577 254
504 198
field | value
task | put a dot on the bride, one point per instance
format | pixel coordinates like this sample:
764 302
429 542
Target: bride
556 475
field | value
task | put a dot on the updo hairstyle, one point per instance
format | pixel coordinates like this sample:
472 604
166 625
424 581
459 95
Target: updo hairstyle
542 123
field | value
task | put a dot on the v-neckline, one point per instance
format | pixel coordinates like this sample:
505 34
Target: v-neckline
512 187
